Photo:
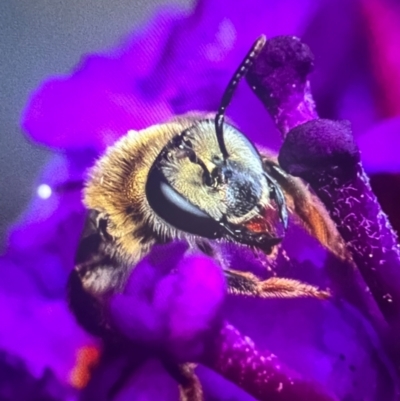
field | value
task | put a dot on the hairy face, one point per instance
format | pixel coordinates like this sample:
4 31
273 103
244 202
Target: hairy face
236 186
193 188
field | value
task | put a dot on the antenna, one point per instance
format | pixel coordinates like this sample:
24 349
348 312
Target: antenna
231 88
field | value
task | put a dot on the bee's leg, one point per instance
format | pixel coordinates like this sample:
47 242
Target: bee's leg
308 208
275 287
190 388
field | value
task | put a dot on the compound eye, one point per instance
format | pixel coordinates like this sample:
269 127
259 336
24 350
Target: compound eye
176 210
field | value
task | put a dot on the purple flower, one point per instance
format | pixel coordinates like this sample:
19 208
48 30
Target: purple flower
176 304
171 299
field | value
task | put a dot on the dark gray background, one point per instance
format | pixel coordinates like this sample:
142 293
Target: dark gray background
40 38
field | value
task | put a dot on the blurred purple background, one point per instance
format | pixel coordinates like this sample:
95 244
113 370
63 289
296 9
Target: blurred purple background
181 61
39 39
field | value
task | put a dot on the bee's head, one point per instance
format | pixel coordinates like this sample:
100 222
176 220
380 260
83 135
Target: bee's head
209 180
194 188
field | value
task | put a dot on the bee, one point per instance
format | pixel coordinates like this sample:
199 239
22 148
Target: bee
199 179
